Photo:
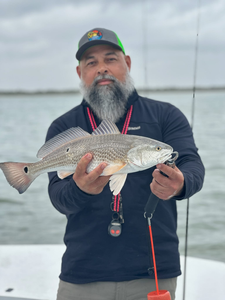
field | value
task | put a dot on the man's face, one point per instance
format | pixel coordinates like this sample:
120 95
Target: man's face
102 60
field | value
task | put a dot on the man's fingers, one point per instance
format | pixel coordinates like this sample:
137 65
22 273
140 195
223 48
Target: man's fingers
160 178
93 175
97 186
157 177
167 186
91 183
170 172
82 164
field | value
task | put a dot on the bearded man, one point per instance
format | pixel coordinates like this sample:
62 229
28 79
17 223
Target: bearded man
107 250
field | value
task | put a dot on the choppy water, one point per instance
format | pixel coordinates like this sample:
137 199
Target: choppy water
31 219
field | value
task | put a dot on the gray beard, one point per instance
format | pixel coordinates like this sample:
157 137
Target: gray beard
108 101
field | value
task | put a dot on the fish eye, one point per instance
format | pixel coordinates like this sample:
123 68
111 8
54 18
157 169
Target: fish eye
158 148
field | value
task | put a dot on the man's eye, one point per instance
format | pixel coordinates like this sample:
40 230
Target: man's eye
90 63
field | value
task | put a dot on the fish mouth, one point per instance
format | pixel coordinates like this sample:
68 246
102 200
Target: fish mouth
164 158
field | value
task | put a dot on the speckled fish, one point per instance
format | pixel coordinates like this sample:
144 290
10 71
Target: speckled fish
123 154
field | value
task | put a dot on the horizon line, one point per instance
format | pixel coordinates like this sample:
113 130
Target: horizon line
140 89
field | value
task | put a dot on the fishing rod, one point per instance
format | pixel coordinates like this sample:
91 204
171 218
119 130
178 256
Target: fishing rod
145 40
192 126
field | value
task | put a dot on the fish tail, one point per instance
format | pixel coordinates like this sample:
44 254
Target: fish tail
18 175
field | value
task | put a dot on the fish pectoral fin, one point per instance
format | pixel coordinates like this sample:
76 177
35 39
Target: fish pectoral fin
64 174
111 169
116 183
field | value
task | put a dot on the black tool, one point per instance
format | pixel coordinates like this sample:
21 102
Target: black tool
153 200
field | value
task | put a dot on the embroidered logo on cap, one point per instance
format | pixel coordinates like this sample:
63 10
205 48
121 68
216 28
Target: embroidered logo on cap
94 35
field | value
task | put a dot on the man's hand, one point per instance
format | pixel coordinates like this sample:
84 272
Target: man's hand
167 187
91 183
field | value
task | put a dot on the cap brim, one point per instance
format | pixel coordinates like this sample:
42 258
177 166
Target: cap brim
86 46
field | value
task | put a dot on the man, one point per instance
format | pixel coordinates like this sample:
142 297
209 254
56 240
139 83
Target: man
107 248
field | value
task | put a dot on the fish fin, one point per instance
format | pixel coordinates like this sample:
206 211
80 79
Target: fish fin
106 127
61 139
64 174
17 175
116 183
111 169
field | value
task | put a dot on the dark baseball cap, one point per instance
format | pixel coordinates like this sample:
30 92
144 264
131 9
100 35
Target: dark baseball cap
98 36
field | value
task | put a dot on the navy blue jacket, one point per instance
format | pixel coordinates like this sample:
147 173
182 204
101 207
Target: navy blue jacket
91 253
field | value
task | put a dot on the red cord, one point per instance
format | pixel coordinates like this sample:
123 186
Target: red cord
114 206
118 203
154 261
124 131
127 121
92 119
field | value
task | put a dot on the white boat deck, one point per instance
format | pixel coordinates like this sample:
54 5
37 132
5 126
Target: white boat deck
31 272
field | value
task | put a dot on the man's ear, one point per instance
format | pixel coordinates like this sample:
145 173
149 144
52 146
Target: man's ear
79 71
128 61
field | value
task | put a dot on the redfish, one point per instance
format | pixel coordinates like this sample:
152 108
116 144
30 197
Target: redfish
123 154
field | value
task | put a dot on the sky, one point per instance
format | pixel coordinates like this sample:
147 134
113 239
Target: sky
39 39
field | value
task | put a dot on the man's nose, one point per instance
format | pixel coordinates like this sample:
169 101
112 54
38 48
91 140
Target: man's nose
102 69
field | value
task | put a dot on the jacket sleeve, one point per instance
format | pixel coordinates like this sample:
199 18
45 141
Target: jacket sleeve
64 194
178 133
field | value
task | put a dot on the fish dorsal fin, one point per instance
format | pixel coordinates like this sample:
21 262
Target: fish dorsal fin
106 127
61 139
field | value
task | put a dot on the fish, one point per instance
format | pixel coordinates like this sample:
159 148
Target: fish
123 154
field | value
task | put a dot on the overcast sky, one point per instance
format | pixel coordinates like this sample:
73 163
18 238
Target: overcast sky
38 40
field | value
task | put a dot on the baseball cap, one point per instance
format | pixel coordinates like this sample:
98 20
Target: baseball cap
98 36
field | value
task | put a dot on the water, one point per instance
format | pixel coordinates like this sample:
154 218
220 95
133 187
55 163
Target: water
31 219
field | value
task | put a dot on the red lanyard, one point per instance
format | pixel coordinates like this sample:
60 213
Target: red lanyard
116 205
126 123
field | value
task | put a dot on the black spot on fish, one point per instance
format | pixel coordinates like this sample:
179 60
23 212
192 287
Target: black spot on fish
68 149
26 169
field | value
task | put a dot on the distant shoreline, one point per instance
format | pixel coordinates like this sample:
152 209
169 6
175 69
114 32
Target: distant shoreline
140 90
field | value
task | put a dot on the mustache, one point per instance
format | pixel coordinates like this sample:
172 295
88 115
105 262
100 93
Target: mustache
105 76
